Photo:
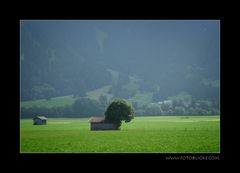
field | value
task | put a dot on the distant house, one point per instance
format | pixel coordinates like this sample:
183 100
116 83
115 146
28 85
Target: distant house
168 102
40 120
98 123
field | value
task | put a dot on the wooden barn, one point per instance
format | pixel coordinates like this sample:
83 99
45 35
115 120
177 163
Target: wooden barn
98 123
40 120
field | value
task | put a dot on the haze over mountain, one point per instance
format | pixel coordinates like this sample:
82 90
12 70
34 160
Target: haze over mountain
162 57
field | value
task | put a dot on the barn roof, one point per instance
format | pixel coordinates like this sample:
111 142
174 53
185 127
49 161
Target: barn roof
96 119
40 117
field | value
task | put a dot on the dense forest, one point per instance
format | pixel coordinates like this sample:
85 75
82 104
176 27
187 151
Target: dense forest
161 67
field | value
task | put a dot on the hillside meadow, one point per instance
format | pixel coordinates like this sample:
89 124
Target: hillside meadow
155 134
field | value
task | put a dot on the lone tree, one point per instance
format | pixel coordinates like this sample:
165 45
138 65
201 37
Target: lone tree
118 111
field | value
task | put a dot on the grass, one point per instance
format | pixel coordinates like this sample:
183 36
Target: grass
95 94
162 134
56 101
66 100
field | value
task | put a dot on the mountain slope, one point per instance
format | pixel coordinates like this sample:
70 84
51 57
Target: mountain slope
74 57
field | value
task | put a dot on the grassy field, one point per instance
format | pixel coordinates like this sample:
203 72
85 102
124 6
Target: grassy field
95 94
66 100
164 134
56 101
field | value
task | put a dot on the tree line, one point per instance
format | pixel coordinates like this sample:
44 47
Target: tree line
82 107
85 107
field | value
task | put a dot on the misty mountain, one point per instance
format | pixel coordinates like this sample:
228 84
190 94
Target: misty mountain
162 57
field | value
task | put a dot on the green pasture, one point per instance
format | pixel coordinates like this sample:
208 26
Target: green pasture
155 134
53 102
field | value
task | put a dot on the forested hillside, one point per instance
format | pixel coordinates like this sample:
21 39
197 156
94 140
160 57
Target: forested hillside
145 62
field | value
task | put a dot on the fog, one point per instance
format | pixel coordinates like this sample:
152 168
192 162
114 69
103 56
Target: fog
155 59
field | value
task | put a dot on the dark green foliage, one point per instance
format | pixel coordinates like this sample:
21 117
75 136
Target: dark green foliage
49 71
43 91
179 110
103 100
165 107
118 111
158 96
87 107
71 64
135 105
120 91
154 110
82 107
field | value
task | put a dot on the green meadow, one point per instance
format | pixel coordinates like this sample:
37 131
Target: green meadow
56 101
155 134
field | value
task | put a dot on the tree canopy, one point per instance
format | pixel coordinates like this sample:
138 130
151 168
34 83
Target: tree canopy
118 111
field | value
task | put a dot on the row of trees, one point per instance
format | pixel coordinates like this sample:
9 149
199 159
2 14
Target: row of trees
82 107
85 107
179 107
